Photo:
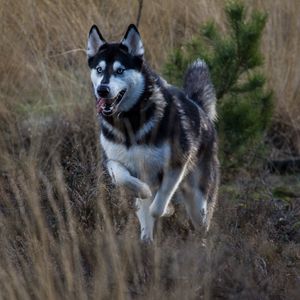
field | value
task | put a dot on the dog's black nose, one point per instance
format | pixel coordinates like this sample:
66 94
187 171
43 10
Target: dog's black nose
103 91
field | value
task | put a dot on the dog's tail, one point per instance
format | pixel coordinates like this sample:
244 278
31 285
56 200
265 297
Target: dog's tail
198 87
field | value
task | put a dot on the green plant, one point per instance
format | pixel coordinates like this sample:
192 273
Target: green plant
234 58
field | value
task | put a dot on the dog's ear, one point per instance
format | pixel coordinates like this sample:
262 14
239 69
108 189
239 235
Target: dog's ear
95 41
132 40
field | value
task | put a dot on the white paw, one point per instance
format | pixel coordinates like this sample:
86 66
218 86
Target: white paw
146 239
146 235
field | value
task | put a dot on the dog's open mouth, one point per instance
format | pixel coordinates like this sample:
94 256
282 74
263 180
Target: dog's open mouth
107 106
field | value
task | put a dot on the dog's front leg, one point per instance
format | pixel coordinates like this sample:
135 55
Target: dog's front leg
171 180
145 218
121 177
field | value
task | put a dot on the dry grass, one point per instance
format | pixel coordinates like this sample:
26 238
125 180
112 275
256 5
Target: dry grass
64 233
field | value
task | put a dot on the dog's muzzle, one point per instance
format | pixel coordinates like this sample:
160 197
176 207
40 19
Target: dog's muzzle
107 106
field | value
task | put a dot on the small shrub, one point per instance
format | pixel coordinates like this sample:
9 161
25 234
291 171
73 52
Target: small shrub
234 58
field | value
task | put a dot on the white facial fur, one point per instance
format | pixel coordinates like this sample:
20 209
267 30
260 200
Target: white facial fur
131 80
117 65
134 84
97 78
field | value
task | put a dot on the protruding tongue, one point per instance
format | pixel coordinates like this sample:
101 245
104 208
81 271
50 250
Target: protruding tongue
104 106
100 104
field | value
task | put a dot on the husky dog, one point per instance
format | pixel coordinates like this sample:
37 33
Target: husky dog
156 139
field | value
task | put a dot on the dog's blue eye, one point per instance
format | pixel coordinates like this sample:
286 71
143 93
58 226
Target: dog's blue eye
99 70
120 71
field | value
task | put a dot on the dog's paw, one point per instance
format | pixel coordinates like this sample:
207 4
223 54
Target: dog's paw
146 240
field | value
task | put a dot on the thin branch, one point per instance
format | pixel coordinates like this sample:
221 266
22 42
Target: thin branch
68 52
290 165
139 13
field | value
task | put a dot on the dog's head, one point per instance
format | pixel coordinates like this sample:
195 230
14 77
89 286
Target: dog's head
116 70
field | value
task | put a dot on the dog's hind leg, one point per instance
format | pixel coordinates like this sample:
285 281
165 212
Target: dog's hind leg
200 191
209 182
196 206
121 177
145 219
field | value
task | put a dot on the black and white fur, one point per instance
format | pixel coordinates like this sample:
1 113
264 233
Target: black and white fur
156 139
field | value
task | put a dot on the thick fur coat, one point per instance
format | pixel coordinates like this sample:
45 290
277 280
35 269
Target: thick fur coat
157 140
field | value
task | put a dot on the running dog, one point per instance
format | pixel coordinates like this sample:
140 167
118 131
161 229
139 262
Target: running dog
156 139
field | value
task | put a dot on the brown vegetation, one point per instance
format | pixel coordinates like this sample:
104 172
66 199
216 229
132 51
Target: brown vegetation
65 233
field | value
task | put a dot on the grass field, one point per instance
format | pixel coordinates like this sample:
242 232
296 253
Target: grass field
66 234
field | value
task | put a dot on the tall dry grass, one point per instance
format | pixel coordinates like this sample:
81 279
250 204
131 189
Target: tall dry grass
64 233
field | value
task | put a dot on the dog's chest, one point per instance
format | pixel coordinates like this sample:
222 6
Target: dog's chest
141 160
